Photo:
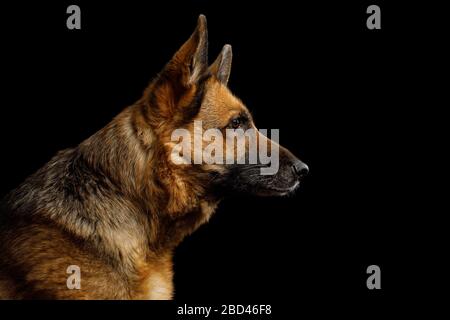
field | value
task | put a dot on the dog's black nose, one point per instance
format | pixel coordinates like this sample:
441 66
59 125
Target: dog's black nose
300 169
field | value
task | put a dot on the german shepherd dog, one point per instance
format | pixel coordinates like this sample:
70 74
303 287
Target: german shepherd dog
116 206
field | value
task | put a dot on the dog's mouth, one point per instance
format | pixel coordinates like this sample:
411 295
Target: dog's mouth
248 180
277 191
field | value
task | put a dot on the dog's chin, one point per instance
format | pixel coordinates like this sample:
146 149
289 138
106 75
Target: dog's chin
250 182
275 191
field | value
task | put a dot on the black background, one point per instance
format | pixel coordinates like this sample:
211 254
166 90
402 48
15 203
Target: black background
350 102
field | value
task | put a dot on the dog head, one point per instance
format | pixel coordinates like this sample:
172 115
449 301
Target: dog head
208 132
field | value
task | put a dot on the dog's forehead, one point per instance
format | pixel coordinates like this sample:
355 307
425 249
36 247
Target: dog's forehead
219 105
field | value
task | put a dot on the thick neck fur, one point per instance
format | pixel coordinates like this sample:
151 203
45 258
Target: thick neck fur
118 189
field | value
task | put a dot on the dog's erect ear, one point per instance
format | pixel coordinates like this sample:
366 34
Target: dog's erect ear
191 60
221 68
179 85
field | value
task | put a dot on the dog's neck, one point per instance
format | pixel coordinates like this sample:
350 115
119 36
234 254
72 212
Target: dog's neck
137 165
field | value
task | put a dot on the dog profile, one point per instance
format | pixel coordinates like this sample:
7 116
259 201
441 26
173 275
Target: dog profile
116 206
